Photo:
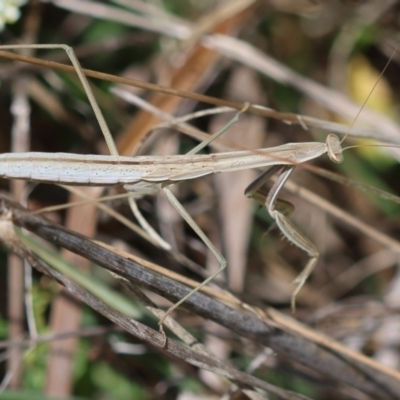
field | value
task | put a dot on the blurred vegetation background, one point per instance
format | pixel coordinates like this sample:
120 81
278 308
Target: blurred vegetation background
318 59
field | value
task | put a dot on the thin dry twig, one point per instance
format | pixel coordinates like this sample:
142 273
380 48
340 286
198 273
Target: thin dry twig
285 336
148 335
257 110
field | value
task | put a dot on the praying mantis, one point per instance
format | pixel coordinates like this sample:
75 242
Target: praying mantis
147 174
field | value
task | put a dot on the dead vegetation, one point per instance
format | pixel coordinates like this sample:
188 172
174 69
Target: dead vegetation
310 66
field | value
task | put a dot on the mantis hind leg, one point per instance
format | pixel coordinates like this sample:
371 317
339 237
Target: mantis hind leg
221 260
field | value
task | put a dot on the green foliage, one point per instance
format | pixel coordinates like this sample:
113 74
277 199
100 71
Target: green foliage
35 362
31 395
3 327
114 386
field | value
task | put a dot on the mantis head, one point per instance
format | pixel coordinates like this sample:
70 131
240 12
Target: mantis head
335 152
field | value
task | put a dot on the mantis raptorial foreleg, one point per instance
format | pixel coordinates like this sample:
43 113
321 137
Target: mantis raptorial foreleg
277 210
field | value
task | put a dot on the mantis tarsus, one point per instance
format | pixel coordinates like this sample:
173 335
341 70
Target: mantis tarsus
142 174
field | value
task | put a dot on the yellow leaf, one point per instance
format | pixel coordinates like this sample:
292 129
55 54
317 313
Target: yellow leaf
362 77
